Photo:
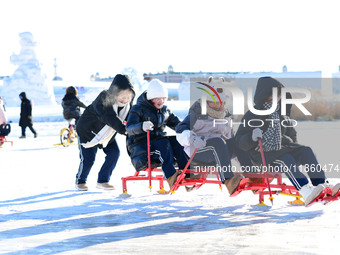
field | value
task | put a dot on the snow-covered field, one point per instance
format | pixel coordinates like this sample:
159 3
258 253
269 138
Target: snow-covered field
42 213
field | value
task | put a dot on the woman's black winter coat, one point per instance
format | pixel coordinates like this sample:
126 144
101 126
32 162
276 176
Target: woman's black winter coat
71 106
101 113
26 113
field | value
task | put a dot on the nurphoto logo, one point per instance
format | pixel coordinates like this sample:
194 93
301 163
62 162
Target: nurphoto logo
238 100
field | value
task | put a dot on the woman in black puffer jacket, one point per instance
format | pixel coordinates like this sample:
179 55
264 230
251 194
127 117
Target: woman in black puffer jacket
97 128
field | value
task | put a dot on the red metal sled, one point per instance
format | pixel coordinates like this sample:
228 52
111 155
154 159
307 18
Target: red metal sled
147 174
326 197
156 174
279 188
3 139
259 188
261 184
197 178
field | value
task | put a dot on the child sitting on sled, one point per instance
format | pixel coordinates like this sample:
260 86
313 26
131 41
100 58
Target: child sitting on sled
151 114
280 143
215 142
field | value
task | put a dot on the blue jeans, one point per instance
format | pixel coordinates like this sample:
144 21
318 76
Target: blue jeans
87 158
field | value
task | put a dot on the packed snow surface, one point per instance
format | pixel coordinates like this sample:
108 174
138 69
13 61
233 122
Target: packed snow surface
42 213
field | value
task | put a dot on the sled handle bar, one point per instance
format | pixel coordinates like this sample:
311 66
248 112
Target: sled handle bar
265 171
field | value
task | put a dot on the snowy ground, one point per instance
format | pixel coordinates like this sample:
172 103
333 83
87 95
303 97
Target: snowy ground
41 213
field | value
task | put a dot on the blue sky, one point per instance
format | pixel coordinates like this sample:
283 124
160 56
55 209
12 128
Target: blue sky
106 36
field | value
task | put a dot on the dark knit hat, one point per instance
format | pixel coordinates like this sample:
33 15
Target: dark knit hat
122 82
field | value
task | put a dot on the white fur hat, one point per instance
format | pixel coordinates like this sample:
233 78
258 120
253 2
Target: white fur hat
222 97
155 89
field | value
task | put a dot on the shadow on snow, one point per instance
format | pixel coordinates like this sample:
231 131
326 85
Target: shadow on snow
120 213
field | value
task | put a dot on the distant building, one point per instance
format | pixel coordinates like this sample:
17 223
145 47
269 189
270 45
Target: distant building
243 80
178 77
309 80
170 69
96 77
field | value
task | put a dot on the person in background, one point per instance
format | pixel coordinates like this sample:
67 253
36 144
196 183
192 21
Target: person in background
26 119
71 104
151 114
97 128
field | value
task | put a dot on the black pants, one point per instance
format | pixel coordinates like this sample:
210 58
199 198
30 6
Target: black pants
219 153
166 150
289 164
23 130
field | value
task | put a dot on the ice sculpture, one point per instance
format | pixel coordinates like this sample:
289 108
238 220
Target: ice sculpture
27 77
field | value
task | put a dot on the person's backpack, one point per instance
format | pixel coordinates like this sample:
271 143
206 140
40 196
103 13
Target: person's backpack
5 129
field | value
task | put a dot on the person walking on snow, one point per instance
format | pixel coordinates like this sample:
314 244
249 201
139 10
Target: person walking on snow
26 119
151 114
215 143
280 143
97 128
